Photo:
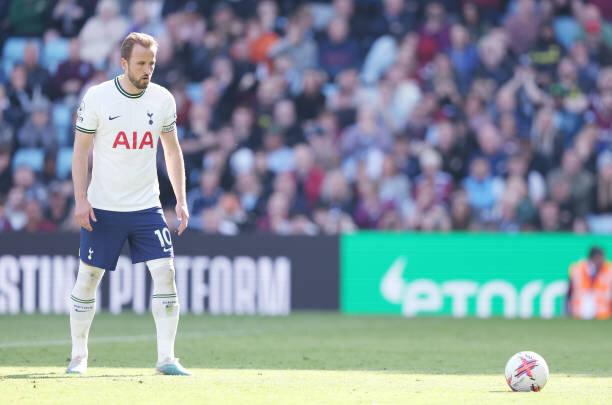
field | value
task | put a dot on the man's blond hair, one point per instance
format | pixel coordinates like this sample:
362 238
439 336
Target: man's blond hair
134 38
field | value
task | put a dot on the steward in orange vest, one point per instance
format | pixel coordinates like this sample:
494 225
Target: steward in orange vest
590 291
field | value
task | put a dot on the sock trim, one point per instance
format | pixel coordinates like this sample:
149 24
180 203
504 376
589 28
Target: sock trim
164 296
80 301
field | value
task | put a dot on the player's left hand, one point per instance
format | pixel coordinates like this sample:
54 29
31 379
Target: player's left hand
182 214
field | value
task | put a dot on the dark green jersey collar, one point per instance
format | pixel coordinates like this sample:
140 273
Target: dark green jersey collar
125 93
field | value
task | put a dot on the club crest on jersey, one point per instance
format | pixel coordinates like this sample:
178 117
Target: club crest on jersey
150 115
121 140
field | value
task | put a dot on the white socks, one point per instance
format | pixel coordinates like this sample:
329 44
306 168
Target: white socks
83 307
165 307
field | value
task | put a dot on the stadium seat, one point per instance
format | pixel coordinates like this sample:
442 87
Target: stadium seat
54 52
194 92
13 53
31 157
64 163
62 121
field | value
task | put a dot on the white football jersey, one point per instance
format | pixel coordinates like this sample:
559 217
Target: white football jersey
126 129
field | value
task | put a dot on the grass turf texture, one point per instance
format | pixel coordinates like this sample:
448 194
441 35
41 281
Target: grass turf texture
305 358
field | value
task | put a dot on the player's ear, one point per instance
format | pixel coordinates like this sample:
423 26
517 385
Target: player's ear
124 63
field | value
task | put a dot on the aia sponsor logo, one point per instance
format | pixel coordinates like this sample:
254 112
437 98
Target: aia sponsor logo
122 140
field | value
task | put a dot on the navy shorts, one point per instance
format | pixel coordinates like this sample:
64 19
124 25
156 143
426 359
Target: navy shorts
146 232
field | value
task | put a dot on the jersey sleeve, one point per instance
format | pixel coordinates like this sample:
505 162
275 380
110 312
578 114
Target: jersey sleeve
169 123
87 117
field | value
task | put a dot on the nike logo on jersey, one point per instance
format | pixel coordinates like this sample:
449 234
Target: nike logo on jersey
112 118
168 249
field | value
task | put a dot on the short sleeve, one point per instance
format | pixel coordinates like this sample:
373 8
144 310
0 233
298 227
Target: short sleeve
87 118
169 124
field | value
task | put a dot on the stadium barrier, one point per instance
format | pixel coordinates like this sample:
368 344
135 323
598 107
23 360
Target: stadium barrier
460 275
242 275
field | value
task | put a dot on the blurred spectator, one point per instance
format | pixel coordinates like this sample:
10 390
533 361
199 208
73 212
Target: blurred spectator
285 117
338 51
143 20
212 221
311 101
482 189
523 26
490 144
596 32
590 292
560 192
28 17
58 207
336 192
518 166
37 76
428 215
72 74
6 172
5 224
367 136
276 218
603 183
7 134
309 177
395 19
451 149
68 16
38 131
260 41
460 212
546 53
206 196
279 156
434 36
36 222
464 56
102 32
20 97
301 50
581 181
548 217
495 64
433 176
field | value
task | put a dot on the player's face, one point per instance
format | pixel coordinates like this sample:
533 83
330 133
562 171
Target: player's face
139 68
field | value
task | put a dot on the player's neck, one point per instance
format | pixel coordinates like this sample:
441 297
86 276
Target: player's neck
127 85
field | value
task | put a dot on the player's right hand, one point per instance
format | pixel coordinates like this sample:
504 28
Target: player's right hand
83 212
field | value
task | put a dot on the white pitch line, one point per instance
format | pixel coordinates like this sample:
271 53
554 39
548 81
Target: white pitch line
123 339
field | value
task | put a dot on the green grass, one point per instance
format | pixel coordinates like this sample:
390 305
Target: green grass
305 358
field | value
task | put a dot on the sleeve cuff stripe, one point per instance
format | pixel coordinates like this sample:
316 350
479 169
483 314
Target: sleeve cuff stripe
169 127
87 131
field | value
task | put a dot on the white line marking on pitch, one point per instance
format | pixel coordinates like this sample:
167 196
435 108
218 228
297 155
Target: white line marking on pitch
122 339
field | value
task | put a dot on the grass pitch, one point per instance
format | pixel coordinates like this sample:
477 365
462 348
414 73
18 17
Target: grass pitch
306 358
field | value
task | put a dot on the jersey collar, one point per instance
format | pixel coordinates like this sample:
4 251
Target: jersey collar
125 93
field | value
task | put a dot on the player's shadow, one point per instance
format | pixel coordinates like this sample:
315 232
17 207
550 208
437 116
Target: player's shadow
56 376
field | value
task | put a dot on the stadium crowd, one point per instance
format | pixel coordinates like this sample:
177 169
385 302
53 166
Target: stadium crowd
324 117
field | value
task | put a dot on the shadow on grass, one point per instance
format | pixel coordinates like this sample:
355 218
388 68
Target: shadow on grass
57 376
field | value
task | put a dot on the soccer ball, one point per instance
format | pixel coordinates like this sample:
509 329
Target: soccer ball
526 371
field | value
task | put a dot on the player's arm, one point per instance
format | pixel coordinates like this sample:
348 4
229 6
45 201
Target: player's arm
176 171
80 175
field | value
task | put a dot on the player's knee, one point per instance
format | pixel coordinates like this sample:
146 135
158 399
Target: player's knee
163 273
88 279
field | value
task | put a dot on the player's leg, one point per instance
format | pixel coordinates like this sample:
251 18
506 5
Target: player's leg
150 241
98 249
82 311
165 309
